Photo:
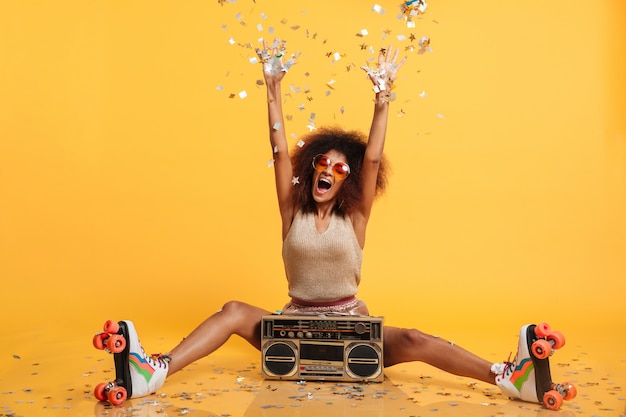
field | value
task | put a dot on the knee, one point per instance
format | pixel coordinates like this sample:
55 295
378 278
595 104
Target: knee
405 345
233 307
405 340
413 338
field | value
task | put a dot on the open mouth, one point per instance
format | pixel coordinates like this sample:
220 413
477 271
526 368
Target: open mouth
323 185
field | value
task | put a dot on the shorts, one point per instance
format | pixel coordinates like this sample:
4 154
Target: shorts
350 306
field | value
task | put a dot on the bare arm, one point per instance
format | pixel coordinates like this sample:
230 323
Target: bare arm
382 77
274 69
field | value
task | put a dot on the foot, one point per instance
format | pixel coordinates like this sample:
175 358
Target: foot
142 374
527 377
136 374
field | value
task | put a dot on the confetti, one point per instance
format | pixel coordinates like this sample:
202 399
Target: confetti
243 94
424 44
295 180
378 9
274 64
413 8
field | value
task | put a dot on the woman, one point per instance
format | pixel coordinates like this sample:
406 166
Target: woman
325 194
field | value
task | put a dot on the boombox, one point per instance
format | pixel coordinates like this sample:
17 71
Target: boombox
310 347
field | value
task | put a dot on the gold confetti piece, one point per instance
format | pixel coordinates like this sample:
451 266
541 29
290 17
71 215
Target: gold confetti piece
424 44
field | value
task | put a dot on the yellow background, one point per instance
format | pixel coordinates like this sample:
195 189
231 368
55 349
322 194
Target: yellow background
134 178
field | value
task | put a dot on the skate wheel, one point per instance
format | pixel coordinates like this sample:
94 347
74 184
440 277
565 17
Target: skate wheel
116 343
98 392
541 348
542 330
98 341
552 400
111 327
117 395
557 338
570 391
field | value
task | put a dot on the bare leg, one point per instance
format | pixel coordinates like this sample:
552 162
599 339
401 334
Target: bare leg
235 318
406 345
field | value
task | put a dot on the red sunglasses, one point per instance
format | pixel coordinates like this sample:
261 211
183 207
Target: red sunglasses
340 169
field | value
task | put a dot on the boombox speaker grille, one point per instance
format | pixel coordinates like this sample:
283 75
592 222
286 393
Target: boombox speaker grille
280 358
363 360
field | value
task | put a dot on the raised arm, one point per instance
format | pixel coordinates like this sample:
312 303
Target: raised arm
274 69
382 77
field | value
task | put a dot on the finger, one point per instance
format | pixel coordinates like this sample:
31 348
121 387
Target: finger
400 63
381 57
395 55
388 54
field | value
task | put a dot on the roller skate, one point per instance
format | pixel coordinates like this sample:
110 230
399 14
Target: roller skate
528 377
136 374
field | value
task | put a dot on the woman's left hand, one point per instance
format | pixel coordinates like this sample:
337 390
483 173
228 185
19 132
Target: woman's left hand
387 71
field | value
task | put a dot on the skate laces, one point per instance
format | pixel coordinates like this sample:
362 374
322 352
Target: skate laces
159 358
507 364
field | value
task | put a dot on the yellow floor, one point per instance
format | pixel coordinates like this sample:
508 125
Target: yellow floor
52 372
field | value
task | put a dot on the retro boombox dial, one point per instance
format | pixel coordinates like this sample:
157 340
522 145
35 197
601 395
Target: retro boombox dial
336 348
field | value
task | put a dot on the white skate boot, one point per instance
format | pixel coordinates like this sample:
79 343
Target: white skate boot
136 374
528 377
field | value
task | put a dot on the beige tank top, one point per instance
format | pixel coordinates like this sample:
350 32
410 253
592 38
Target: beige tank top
322 266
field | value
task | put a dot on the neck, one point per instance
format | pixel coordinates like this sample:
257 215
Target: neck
325 209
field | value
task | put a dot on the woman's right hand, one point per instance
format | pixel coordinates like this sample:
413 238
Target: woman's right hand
273 59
